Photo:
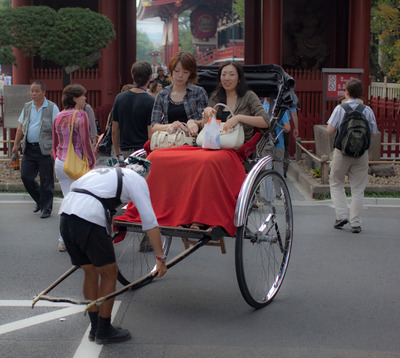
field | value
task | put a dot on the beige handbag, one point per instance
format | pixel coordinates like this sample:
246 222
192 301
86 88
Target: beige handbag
232 139
74 166
163 139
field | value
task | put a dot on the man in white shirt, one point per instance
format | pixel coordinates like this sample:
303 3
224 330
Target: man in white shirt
86 233
342 165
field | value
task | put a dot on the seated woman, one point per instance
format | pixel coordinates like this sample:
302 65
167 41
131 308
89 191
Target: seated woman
232 90
198 187
182 102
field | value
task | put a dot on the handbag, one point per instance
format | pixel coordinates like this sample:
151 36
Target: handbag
74 166
104 144
163 139
232 139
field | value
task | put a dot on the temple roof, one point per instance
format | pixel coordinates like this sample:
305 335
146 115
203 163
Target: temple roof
165 9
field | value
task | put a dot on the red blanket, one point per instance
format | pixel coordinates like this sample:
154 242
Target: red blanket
191 184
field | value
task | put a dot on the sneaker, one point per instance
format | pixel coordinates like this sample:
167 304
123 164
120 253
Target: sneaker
340 223
61 247
112 335
356 229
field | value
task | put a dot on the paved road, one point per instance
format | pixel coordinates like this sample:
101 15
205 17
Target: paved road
340 297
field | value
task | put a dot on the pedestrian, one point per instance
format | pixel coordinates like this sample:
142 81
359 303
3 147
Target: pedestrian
155 86
87 235
162 77
93 128
73 100
131 113
356 168
278 151
34 134
292 114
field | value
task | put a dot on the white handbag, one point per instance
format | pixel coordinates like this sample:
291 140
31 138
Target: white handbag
232 139
163 139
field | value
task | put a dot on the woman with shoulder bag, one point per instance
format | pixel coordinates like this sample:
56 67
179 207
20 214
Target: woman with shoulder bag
73 100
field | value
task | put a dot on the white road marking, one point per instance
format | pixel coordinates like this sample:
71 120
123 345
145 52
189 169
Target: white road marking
42 318
85 349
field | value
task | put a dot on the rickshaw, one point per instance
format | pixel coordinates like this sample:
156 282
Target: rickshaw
263 214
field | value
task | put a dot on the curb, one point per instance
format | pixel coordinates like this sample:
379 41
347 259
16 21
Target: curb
19 187
314 189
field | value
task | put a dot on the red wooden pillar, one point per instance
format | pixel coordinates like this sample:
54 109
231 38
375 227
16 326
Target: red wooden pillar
175 43
109 63
252 32
272 32
127 15
21 75
359 38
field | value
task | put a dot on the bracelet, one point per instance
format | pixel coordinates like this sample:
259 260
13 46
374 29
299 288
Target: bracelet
161 258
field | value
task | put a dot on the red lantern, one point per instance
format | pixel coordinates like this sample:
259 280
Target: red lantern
203 23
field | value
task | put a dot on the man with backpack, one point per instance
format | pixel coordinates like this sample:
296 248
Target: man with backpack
353 123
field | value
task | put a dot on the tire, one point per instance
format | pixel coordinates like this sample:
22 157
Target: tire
263 244
135 257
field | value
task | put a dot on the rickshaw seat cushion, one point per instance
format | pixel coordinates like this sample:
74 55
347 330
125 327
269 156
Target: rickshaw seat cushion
190 184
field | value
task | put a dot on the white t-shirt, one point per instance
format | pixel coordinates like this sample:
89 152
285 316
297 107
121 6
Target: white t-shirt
103 182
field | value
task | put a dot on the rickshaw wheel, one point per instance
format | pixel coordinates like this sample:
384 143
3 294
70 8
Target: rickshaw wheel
135 257
264 242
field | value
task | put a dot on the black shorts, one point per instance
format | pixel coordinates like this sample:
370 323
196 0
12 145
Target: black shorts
86 243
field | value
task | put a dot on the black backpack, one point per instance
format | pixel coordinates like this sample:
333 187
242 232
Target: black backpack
354 135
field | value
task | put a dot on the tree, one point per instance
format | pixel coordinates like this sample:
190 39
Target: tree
68 37
238 6
185 34
5 4
385 30
75 36
143 47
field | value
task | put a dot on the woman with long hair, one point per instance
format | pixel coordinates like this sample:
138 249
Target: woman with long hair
232 90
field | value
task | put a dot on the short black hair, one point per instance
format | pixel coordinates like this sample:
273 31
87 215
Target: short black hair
355 88
141 72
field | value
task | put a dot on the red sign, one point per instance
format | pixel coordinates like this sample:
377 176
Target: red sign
336 84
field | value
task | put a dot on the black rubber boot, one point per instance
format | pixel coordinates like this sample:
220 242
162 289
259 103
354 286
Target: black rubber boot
107 334
94 319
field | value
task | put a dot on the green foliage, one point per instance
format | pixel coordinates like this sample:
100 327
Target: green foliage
66 37
238 6
6 55
77 33
143 47
185 34
385 30
5 4
30 27
316 173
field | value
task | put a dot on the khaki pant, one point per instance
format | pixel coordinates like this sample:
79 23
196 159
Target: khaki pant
357 171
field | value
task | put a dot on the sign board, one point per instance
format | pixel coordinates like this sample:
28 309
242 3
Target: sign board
15 97
334 82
